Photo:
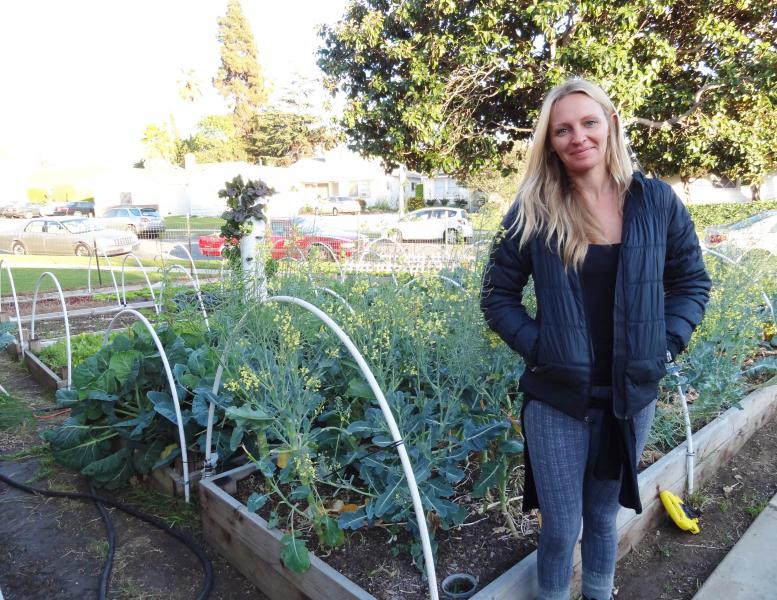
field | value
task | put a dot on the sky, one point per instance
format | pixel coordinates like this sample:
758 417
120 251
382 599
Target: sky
81 79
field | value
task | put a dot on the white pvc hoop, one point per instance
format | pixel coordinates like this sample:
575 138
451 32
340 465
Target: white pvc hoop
189 256
145 274
171 384
110 268
64 313
4 263
196 289
392 424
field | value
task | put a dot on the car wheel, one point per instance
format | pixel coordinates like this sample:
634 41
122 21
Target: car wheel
18 249
334 211
82 250
395 234
131 229
451 236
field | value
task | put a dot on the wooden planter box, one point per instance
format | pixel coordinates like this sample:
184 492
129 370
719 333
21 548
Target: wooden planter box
42 373
245 540
255 550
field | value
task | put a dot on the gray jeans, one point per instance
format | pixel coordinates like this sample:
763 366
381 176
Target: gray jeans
563 451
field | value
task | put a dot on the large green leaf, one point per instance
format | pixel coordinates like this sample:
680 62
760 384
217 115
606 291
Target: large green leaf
491 473
358 388
295 555
112 472
146 457
248 416
329 534
125 366
256 501
75 444
200 409
352 520
163 404
387 501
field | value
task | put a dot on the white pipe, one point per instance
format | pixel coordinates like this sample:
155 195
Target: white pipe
145 274
392 424
64 314
443 277
395 434
689 452
4 263
110 267
189 255
170 382
196 288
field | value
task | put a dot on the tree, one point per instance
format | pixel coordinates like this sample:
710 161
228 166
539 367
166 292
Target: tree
240 79
453 86
215 140
159 142
281 138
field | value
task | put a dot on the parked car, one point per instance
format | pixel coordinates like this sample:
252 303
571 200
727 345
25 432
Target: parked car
335 205
297 237
447 224
22 211
134 219
758 231
67 235
77 208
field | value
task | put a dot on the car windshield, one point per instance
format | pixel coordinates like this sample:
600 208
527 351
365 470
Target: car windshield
149 212
81 225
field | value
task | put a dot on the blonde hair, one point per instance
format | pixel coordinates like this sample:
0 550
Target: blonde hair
545 195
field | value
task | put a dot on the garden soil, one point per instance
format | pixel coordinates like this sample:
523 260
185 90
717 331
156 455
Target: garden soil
670 564
54 549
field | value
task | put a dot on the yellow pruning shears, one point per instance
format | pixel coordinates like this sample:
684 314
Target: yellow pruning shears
684 516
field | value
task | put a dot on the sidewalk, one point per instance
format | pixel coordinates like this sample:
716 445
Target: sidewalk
747 571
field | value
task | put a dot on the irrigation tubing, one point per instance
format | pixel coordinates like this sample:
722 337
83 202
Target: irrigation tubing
182 537
110 531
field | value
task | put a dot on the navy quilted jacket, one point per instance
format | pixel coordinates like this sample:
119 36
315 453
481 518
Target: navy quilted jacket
661 290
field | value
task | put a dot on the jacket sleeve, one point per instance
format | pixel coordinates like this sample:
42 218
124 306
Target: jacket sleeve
501 297
686 283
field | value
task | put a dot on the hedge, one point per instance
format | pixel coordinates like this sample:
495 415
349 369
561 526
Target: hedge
704 215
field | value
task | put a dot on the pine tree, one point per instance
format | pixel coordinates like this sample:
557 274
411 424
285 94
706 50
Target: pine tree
240 78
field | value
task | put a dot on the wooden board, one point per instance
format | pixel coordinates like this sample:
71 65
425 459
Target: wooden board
714 445
255 550
42 374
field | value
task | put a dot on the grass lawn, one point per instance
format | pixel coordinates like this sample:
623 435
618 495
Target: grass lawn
69 279
195 222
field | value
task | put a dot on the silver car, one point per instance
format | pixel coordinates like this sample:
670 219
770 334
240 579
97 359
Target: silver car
143 221
67 235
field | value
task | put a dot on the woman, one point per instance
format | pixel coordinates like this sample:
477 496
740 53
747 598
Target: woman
620 285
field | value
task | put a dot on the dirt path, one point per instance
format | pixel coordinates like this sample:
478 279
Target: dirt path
53 549
671 564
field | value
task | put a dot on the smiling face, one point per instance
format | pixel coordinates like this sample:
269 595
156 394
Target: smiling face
578 133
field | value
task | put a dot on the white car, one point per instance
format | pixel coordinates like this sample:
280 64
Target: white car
440 223
335 205
758 231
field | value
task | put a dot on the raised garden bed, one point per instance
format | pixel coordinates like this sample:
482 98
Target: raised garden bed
245 540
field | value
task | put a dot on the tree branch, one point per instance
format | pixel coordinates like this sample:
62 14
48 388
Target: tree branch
679 118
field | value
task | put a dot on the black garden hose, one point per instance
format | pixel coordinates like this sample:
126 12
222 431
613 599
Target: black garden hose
182 537
105 574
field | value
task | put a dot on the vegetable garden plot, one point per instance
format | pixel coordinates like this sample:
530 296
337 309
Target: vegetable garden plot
293 401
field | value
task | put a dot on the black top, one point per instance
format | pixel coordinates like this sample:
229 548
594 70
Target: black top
598 279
